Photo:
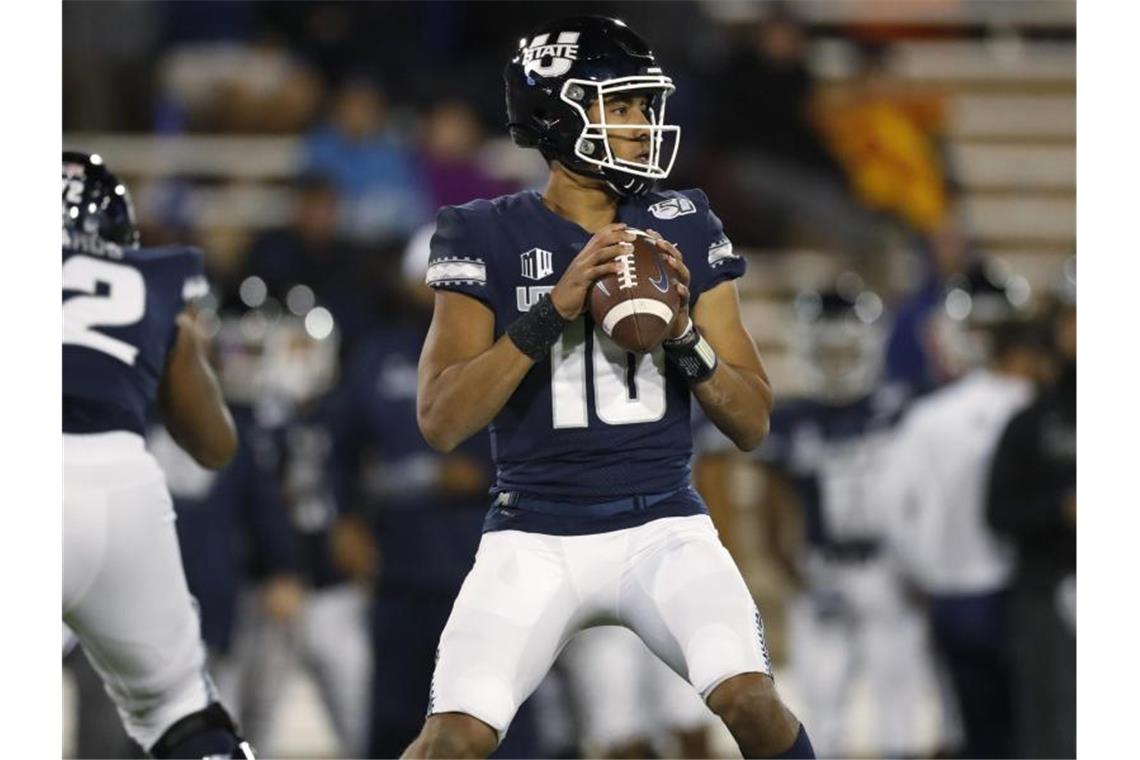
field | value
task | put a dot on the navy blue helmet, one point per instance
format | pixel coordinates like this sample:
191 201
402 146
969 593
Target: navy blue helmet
566 66
95 202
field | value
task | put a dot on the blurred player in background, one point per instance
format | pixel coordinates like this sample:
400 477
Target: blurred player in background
852 617
418 514
629 703
129 339
314 616
595 519
934 489
1033 501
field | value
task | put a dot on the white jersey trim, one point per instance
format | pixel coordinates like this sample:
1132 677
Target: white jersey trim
456 271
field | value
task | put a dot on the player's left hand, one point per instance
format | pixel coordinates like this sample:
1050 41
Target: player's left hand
682 278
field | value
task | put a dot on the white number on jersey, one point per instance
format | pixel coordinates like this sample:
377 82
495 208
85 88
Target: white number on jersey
627 388
123 304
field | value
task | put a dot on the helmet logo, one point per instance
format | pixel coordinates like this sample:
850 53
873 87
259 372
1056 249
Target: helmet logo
550 60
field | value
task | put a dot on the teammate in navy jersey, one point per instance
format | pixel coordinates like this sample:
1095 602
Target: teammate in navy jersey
129 339
594 519
851 616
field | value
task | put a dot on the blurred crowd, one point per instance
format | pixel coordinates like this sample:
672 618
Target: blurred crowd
918 493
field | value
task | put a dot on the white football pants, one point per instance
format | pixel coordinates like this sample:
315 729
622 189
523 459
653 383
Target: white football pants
670 581
124 591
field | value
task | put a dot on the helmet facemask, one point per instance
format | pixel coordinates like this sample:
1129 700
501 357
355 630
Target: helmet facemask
593 149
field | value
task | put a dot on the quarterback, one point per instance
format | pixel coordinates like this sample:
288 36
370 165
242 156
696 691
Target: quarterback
594 520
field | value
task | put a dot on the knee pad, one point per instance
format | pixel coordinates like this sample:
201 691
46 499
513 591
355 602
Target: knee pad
208 733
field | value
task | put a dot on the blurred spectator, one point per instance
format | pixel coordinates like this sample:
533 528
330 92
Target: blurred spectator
782 183
452 136
886 138
1033 501
312 252
235 86
383 193
426 510
934 491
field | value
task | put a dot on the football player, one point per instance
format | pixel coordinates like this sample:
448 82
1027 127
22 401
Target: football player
129 339
851 617
594 519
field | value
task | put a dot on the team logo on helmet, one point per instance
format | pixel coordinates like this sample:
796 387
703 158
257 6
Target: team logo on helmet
550 59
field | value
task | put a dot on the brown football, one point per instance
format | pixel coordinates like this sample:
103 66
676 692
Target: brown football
636 305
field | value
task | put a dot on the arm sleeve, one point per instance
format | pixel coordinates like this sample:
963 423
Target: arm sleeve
1017 503
454 262
718 261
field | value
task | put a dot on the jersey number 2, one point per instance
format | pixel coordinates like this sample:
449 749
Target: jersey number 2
628 388
123 304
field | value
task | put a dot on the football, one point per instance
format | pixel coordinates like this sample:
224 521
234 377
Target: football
636 305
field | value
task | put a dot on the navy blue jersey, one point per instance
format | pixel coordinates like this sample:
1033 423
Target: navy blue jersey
426 534
119 307
305 442
591 422
834 454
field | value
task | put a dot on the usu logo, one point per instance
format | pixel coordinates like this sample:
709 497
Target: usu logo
537 264
550 60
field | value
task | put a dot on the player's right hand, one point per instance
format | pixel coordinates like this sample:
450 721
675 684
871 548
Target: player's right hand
593 262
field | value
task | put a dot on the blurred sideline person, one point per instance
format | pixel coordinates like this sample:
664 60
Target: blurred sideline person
629 703
851 617
417 513
313 616
594 519
128 340
934 488
1032 500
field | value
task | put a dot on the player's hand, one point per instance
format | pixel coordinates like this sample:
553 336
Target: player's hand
593 262
283 596
460 475
353 549
682 276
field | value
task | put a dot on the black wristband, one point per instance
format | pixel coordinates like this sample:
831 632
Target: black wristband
537 330
692 355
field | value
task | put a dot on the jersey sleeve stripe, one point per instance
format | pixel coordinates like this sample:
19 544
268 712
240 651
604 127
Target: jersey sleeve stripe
456 271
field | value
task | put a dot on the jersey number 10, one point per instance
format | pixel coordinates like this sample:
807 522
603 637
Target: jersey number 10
628 388
123 304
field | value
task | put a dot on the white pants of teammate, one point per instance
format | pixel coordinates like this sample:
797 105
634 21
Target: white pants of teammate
624 693
124 591
857 622
329 640
670 581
